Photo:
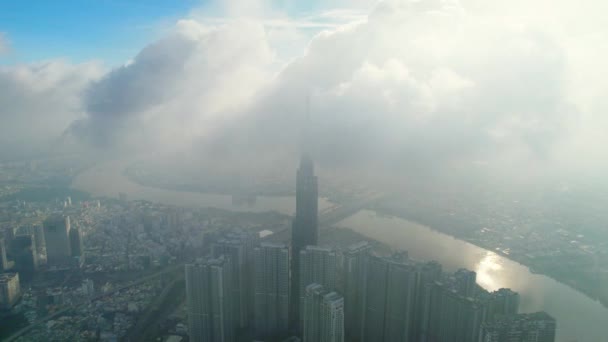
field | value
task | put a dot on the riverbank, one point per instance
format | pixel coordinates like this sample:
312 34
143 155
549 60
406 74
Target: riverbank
579 318
537 269
520 259
581 283
108 180
214 189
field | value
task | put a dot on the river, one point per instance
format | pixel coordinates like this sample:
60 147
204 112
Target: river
107 180
578 317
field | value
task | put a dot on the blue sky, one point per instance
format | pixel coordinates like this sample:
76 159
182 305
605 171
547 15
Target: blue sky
79 30
112 31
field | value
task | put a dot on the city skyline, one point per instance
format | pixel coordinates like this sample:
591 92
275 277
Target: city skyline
289 171
394 297
389 298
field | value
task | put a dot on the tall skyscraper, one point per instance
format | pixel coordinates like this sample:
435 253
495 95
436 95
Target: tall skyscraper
317 265
38 232
3 257
450 316
323 315
431 320
503 302
76 243
428 273
239 247
466 282
533 327
23 251
332 318
10 290
305 225
250 240
355 284
389 300
56 234
311 307
271 290
305 230
208 299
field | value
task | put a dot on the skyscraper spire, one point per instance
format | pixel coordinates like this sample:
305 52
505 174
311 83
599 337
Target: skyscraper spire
305 230
305 129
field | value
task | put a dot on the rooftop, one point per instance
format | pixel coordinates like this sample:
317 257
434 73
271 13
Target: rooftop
6 277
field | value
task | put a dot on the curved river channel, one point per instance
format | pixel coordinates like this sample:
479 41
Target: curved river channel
579 318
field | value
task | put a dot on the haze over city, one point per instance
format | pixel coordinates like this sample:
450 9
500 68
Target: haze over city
459 141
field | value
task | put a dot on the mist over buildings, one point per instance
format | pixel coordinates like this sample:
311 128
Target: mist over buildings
256 133
423 89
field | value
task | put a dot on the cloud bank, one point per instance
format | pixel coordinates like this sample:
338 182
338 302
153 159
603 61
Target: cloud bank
429 86
38 102
177 88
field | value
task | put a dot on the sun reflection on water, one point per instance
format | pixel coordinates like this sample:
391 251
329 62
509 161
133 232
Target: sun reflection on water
488 270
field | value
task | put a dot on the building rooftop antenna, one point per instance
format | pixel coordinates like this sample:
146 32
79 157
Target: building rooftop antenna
306 128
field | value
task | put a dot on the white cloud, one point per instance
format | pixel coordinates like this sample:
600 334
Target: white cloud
425 84
422 85
178 87
38 101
